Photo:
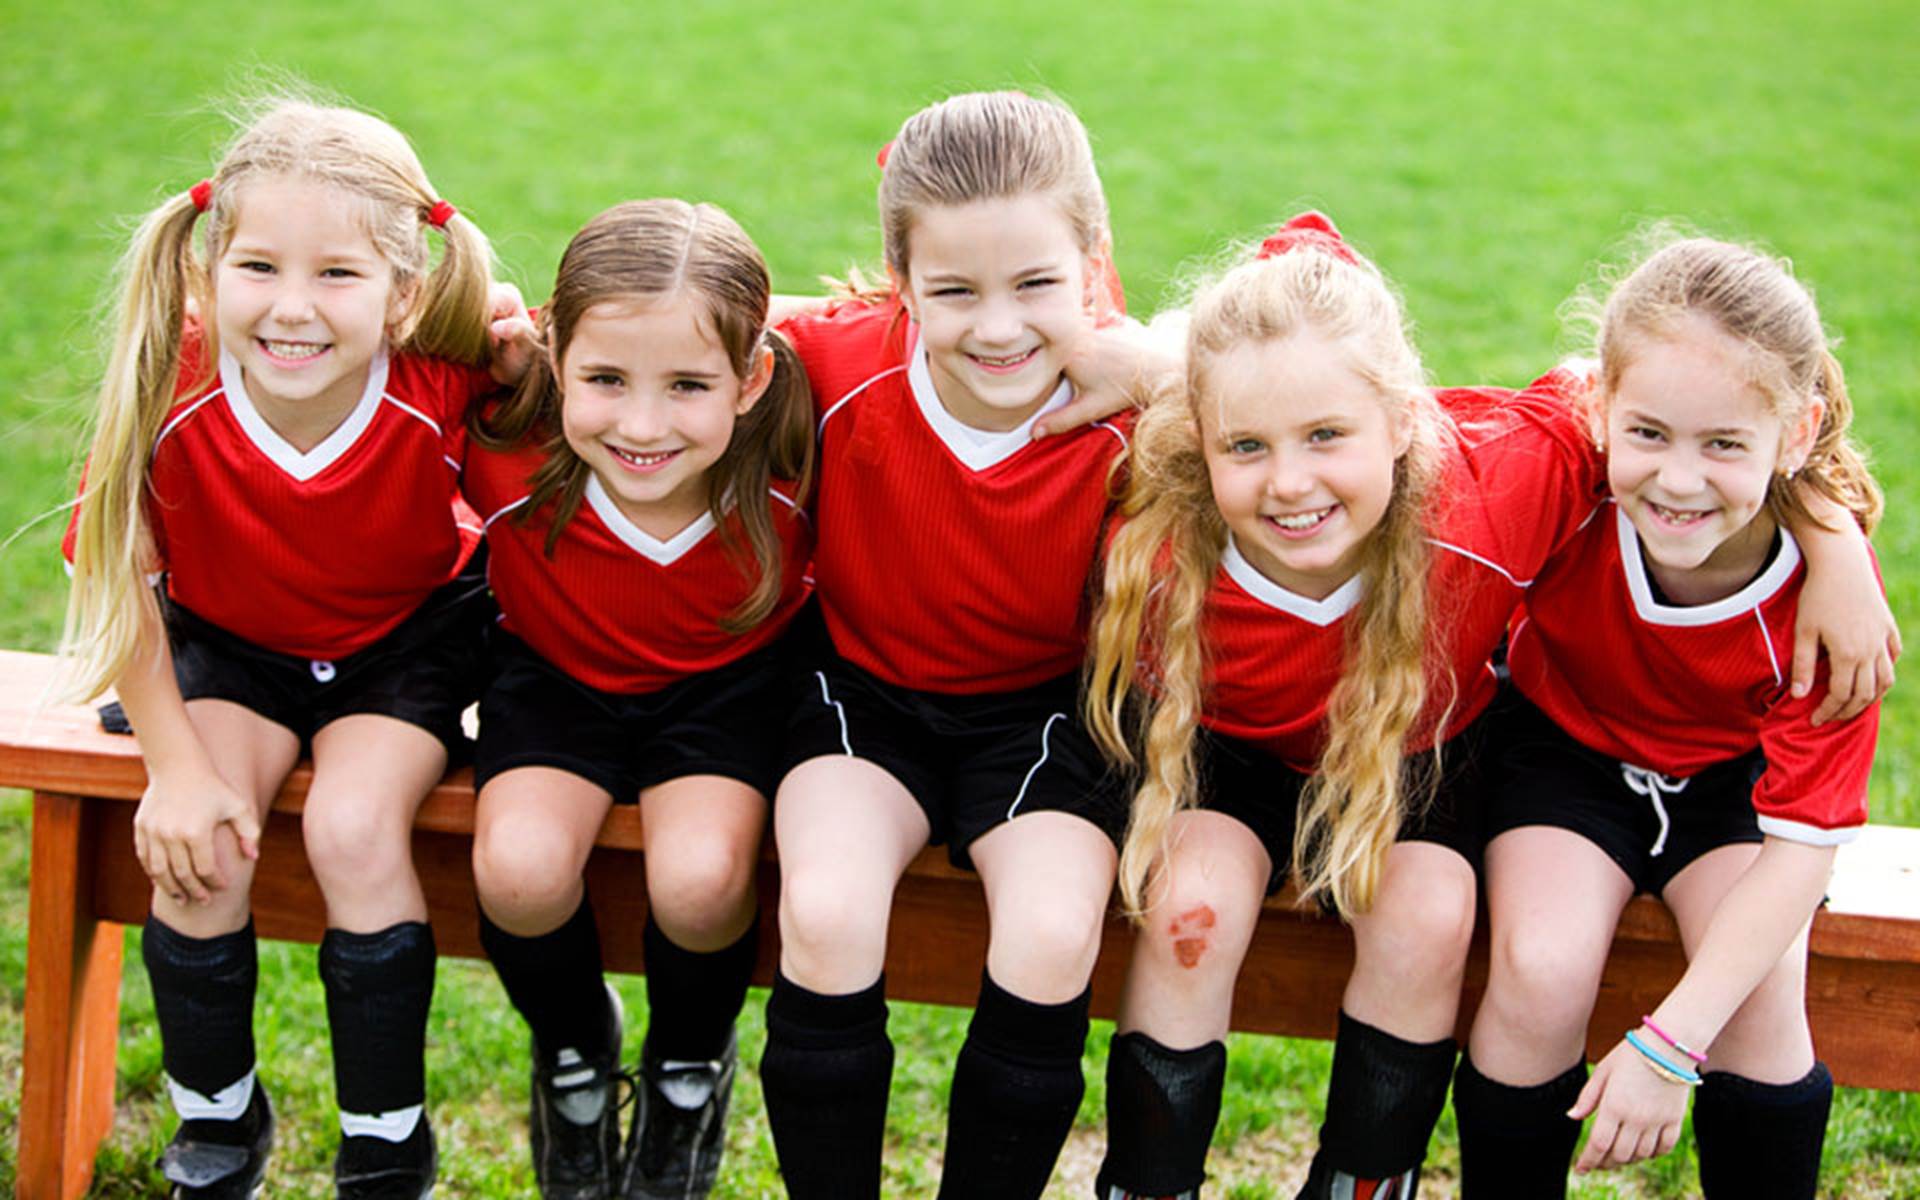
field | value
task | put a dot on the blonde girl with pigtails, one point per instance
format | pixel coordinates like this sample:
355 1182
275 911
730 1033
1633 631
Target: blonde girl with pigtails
1657 747
1318 557
267 561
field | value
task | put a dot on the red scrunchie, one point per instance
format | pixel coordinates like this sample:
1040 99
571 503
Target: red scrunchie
886 152
201 194
440 214
1309 229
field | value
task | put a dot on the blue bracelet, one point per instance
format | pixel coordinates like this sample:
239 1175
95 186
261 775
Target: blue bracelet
1683 1074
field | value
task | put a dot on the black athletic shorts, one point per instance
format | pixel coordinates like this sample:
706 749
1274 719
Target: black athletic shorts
727 721
426 672
1652 825
972 762
1242 781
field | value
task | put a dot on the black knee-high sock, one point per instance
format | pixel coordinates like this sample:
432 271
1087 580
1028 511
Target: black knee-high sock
554 980
1016 1086
1761 1139
203 1000
825 1074
1162 1106
379 990
693 998
1383 1099
1515 1141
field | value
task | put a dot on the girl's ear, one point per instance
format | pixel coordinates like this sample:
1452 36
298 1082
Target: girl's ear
1401 423
400 303
1103 296
758 378
898 283
1797 441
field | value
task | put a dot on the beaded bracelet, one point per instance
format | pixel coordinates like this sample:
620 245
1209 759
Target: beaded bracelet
1675 1042
1669 1071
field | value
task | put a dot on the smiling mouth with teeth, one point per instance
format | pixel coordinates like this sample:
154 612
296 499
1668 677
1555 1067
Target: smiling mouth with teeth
638 459
1005 360
292 350
1300 522
1677 516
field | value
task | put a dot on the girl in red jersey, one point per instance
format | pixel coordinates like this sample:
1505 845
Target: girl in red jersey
640 492
1658 749
952 555
278 436
1319 556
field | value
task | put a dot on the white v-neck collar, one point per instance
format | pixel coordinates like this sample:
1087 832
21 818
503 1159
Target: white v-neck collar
1653 612
664 553
1318 612
302 466
977 448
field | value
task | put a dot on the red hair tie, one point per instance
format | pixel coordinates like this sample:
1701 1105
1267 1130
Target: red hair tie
201 194
881 158
1308 230
440 214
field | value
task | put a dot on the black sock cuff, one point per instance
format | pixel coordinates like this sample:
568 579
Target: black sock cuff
1385 1045
1515 1105
405 947
1026 1029
818 1021
656 946
1742 1090
162 943
1208 1056
579 931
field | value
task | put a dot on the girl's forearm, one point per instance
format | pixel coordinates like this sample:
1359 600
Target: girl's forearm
150 694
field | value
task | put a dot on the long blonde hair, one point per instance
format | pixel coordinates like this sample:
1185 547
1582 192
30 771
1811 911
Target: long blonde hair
1161 564
648 249
1754 298
162 277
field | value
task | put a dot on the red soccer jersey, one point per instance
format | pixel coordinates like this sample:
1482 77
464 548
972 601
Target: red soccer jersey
1676 689
949 559
616 608
1518 478
316 554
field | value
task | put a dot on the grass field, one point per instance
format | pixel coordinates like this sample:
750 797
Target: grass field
1486 154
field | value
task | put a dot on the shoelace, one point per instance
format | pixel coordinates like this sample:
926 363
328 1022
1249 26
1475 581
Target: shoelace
1651 784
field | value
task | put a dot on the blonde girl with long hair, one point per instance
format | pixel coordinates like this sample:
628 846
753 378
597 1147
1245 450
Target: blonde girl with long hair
940 707
1318 557
277 441
1659 749
641 492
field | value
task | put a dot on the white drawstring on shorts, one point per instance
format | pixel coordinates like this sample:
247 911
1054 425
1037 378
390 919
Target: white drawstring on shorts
1650 784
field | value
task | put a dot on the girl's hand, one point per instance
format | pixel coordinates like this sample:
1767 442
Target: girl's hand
1113 369
1862 642
1636 1114
173 833
514 338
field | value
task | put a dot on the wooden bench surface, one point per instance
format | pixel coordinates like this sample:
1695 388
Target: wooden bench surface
1863 985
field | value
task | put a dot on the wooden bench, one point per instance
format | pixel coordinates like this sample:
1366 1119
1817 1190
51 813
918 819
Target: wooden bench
1863 989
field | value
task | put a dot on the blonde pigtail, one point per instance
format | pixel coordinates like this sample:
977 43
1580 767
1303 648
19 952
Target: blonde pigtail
111 608
1835 469
774 440
452 310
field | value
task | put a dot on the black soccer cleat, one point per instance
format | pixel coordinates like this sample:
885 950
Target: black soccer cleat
679 1127
372 1168
220 1160
575 1118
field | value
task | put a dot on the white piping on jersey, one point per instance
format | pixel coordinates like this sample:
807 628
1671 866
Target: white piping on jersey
797 510
837 405
1046 748
504 511
1763 587
170 426
1316 612
977 448
450 462
826 696
1488 563
1812 835
1773 660
304 466
227 1104
1651 784
664 553
409 409
1114 430
395 1126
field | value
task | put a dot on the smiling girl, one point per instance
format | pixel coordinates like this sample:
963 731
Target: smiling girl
641 494
302 374
1660 750
952 558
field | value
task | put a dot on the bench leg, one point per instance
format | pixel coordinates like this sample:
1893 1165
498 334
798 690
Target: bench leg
72 1008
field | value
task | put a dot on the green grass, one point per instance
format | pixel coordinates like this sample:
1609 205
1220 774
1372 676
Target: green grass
1486 154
